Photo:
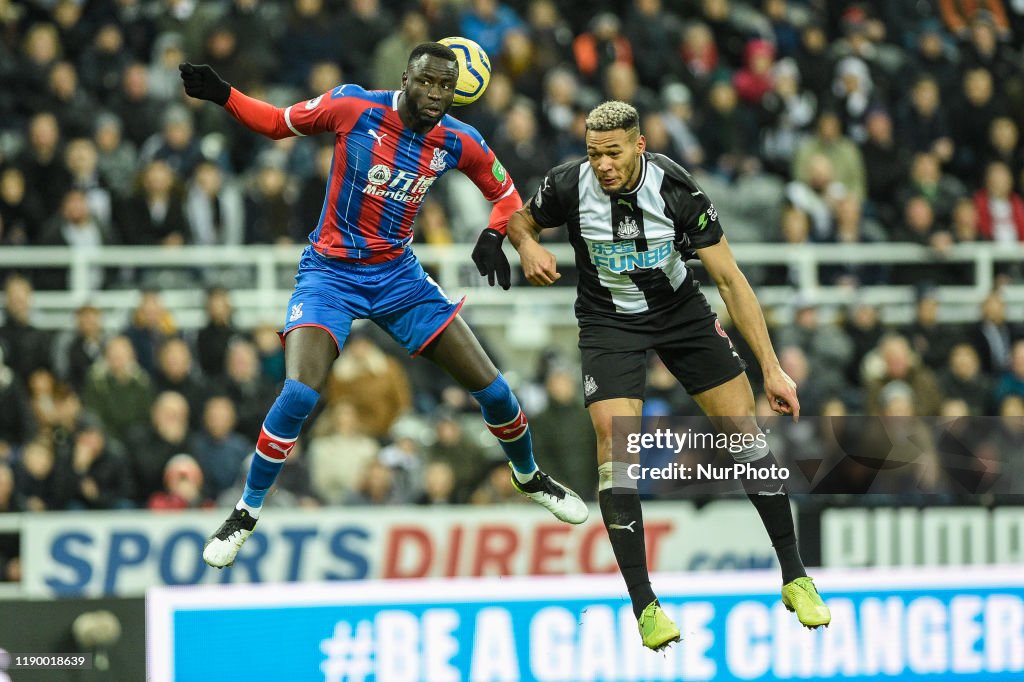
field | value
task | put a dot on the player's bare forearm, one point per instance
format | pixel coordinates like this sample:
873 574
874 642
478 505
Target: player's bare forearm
745 311
522 227
539 265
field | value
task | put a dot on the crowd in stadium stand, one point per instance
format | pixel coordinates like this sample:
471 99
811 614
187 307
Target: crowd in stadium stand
812 121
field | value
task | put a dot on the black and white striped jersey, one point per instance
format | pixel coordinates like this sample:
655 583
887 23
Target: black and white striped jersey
625 243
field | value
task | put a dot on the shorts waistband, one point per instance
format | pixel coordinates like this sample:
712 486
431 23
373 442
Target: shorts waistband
360 267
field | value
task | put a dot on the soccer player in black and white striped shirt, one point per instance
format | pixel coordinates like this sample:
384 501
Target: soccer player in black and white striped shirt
633 218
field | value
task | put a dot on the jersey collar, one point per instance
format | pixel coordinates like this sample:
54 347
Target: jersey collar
640 181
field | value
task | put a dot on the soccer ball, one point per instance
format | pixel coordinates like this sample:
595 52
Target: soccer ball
474 69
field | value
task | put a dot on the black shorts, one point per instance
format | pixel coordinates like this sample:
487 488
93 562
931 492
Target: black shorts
687 337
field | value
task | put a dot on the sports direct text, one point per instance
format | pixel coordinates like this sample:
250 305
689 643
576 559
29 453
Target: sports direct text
667 439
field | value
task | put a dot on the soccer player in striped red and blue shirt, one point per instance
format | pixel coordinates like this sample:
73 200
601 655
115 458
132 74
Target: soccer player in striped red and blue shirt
390 147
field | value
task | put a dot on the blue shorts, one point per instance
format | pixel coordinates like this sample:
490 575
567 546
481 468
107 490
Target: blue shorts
398 296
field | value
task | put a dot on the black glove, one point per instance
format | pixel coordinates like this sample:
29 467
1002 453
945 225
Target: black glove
202 82
490 259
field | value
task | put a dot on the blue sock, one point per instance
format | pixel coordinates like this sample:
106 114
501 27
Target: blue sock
505 419
277 438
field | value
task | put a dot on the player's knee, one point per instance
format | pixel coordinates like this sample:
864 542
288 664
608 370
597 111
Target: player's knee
296 400
753 450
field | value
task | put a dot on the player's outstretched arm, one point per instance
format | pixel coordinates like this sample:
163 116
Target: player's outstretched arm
202 82
539 264
745 311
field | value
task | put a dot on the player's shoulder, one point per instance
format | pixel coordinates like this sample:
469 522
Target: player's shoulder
463 130
674 172
568 173
351 93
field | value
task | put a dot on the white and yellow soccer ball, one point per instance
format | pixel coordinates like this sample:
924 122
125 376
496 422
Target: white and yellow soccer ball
474 69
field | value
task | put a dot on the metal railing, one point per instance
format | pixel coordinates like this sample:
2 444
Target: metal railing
260 279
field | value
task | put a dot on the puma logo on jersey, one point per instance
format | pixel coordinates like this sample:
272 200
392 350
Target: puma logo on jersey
379 138
623 202
616 526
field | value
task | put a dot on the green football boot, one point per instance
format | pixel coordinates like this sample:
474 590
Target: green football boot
656 628
801 597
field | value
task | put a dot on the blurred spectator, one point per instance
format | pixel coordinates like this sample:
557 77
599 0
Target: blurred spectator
175 144
183 486
438 485
958 15
42 161
258 24
727 132
496 486
82 161
271 352
391 55
214 208
987 48
488 23
372 381
218 447
816 66
140 113
754 80
78 227
826 346
96 471
213 339
656 32
340 454
518 60
104 61
117 389
1011 383
455 448
894 361
794 362
940 190
845 157
268 206
886 163
17 425
786 111
151 325
164 77
520 149
1000 209
620 83
376 487
223 50
963 378
40 50
563 436
310 202
730 38
174 372
21 213
599 47
698 58
74 107
37 479
245 385
934 57
923 124
784 26
850 226
993 335
1005 146
189 19
552 35
432 226
678 116
27 347
116 157
979 105
918 225
153 214
815 194
152 444
10 501
855 95
928 337
862 324
310 36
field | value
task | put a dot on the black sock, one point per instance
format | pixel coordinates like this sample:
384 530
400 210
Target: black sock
622 509
777 517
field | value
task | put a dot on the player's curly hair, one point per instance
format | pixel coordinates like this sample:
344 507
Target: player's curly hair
613 115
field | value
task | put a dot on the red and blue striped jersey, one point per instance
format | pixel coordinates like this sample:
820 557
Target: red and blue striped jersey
382 170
